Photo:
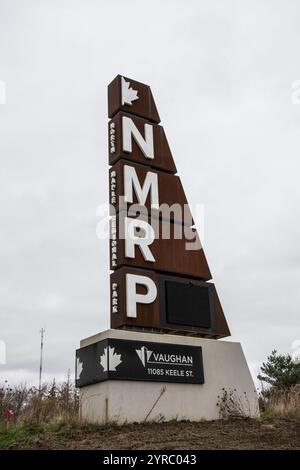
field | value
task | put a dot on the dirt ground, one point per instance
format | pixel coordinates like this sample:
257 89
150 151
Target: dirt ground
234 434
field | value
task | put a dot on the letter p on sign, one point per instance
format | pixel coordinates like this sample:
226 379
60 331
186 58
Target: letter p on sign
133 298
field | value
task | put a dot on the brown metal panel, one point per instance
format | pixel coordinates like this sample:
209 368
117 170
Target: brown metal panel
171 254
222 326
143 105
149 315
134 100
162 154
170 192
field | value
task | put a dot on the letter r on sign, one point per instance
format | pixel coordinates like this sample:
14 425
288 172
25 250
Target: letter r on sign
143 242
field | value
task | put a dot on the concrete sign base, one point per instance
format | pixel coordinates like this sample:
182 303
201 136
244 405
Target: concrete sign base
127 401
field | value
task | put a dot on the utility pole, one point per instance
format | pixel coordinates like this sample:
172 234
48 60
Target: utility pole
68 387
42 331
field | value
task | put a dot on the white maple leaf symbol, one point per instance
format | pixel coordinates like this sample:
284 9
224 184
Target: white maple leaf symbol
128 93
114 359
79 368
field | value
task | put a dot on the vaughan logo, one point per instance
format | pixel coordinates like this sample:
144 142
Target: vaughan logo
128 93
149 357
79 368
110 360
144 354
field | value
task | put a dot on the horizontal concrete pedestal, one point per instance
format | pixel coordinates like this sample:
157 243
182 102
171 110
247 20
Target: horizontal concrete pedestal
124 401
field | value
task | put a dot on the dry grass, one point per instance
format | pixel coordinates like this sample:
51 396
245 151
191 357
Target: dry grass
50 418
233 405
60 403
53 403
282 403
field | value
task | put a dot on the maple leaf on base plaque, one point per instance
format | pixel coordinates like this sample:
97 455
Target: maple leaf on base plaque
113 359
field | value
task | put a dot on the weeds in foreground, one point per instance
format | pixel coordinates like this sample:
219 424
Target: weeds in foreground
55 409
31 406
233 405
281 403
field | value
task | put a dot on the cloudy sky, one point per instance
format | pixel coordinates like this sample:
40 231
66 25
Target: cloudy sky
221 73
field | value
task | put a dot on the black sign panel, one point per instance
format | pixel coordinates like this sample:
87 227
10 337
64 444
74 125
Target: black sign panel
188 304
117 359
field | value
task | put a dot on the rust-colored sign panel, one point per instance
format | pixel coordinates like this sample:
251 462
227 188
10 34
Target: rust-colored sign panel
162 246
145 190
140 141
139 299
147 314
133 97
160 272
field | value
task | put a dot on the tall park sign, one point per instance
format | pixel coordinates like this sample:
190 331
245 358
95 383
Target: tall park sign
159 280
165 312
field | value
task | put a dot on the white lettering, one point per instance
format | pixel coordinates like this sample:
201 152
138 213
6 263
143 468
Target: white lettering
133 298
130 130
131 182
132 226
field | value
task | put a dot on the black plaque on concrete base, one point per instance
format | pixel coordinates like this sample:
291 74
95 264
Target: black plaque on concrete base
138 360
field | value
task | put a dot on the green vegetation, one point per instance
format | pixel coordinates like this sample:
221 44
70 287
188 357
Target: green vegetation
280 371
21 433
26 414
281 398
24 433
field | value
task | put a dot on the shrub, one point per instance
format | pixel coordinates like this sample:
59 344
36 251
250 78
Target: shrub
280 371
32 406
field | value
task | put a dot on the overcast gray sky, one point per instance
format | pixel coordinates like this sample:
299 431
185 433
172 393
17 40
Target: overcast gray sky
221 73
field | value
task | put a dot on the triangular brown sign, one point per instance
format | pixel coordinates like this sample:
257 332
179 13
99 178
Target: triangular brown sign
160 269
